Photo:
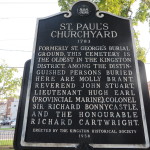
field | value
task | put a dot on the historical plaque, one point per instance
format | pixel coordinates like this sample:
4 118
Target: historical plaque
84 84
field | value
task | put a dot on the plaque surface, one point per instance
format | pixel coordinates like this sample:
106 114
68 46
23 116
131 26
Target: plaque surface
84 83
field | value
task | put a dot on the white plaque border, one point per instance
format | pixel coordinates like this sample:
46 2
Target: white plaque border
30 144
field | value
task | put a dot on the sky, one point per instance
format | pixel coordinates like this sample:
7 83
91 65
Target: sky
17 30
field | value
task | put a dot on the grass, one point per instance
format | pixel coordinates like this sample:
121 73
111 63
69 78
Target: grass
6 142
5 148
6 128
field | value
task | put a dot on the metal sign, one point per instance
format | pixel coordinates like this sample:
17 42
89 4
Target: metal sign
84 83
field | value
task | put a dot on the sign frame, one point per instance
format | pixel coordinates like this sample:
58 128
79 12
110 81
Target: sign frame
99 14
